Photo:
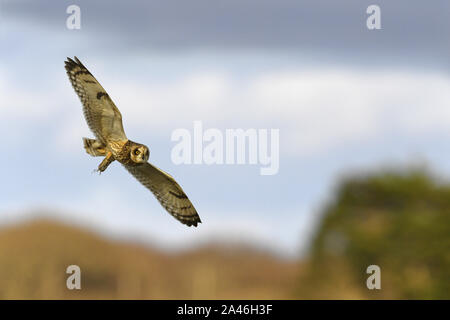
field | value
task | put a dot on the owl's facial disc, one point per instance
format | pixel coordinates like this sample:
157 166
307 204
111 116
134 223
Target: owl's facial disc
140 154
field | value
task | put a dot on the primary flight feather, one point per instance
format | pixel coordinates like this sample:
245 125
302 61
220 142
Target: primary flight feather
105 121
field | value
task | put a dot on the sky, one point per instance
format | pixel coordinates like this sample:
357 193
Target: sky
345 99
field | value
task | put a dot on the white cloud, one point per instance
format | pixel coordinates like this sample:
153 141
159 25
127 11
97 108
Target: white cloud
315 109
156 106
24 103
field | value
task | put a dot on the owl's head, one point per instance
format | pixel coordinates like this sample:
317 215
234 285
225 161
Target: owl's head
139 153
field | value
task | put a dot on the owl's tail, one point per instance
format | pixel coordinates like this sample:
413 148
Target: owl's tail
94 147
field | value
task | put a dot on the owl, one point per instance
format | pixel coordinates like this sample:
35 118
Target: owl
105 121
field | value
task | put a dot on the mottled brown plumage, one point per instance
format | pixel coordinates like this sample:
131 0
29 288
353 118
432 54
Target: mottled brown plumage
105 121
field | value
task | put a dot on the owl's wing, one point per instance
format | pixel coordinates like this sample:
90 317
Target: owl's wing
167 191
102 115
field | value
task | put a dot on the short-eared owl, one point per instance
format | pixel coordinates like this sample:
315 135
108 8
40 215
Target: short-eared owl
105 121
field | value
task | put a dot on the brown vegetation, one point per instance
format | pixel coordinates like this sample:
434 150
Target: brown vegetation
34 257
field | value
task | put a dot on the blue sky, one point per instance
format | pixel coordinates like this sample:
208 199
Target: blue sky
345 99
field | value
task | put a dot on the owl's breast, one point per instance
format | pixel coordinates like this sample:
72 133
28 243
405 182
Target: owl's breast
122 152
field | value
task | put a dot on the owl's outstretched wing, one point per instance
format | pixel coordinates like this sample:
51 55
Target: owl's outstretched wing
167 191
102 115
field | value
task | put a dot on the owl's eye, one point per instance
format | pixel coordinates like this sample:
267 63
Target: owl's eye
136 152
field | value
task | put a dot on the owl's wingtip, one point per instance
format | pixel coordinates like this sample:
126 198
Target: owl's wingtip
69 64
72 61
194 222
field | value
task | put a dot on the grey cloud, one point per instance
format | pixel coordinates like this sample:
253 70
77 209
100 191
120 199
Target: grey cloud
410 29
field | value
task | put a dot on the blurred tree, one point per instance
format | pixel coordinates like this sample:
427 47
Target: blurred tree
399 221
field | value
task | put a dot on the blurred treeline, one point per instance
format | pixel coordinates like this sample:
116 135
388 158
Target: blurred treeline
399 221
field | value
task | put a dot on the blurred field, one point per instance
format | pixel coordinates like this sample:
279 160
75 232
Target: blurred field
397 220
34 257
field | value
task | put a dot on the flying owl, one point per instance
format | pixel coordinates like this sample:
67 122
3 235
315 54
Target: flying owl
105 121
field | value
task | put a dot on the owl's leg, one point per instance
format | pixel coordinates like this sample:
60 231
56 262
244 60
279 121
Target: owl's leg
94 147
106 162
